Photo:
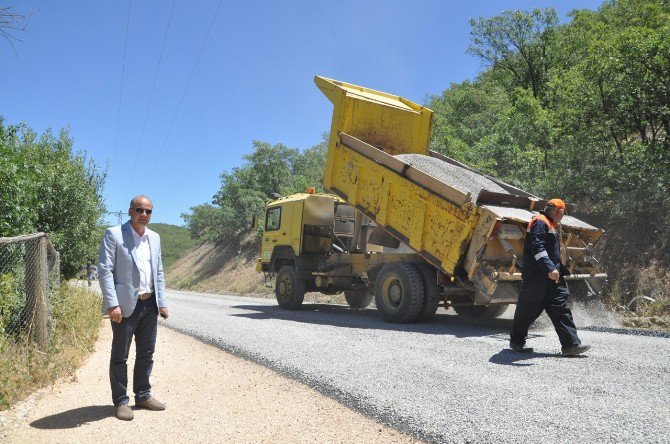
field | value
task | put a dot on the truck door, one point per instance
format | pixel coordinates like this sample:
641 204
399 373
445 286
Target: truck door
281 229
271 231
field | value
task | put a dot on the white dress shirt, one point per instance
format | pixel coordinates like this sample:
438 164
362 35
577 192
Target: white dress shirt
143 253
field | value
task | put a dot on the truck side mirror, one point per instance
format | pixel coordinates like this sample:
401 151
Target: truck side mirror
254 222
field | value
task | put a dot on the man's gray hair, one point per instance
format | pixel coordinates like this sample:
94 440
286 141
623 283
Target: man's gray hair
136 198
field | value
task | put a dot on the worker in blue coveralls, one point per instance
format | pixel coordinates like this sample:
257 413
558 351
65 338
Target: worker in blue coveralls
544 286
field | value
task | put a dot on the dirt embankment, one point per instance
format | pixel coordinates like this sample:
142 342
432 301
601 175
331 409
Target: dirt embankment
229 269
226 268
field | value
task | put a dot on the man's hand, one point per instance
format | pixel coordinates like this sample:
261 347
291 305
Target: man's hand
115 314
163 312
554 275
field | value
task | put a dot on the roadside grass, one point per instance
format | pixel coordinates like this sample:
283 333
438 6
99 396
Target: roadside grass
74 329
646 322
649 306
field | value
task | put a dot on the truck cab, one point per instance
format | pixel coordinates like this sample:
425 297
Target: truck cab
302 226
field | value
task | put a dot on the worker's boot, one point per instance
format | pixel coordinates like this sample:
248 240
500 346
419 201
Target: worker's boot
574 350
520 348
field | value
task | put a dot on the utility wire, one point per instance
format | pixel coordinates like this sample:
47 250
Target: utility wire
153 87
174 117
123 72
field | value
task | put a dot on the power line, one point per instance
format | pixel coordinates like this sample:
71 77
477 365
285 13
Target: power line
174 117
119 214
153 87
123 73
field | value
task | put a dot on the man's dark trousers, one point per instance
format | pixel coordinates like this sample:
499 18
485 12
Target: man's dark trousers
143 324
541 293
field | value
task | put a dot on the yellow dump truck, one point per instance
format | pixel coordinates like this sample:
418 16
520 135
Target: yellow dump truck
408 226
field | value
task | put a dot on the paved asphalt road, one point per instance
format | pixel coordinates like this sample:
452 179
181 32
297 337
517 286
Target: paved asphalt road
451 380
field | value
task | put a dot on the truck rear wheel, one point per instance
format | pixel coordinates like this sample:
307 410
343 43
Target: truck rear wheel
289 289
431 297
481 311
399 292
358 299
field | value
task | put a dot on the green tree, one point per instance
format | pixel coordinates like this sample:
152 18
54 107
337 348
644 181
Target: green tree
269 170
47 187
466 114
517 42
308 170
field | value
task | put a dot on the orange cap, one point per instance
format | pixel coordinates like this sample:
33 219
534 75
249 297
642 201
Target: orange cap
558 203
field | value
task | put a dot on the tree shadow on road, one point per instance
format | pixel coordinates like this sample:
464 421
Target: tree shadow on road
74 418
342 316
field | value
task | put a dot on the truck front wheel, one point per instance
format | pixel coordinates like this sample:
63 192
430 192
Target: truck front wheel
289 289
399 292
358 299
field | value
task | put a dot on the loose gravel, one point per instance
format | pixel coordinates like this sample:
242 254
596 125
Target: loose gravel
628 331
463 180
452 380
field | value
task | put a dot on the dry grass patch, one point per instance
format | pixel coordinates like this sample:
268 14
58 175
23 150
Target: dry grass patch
75 322
647 322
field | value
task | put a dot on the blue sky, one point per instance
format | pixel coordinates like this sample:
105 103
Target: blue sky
253 81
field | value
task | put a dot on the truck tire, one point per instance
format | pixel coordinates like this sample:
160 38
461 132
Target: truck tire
358 299
431 298
399 292
481 311
289 289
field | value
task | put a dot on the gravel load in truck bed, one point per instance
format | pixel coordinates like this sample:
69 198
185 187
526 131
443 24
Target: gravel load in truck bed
467 181
463 180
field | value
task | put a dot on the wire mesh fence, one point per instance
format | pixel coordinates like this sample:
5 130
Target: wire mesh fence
29 276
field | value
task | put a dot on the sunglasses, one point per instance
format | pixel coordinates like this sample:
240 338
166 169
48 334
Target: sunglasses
142 210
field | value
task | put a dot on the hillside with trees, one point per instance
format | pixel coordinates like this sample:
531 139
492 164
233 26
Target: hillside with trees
579 110
176 241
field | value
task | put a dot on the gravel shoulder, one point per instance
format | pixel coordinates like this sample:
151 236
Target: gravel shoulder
454 379
211 396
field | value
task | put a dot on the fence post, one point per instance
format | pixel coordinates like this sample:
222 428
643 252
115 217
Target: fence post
36 283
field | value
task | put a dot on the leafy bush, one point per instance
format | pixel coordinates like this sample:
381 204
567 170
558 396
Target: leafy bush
11 305
45 186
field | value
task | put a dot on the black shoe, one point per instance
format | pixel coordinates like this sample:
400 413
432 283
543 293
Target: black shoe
520 348
574 350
